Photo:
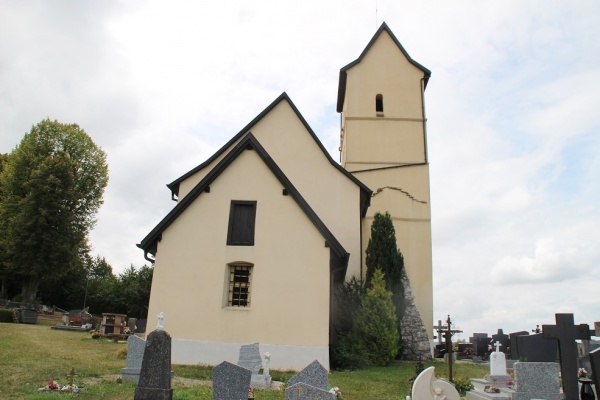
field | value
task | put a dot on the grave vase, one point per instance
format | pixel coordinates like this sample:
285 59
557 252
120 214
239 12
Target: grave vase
586 393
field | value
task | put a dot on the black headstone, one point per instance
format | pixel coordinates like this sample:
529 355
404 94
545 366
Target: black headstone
514 345
566 332
480 342
536 348
503 339
155 376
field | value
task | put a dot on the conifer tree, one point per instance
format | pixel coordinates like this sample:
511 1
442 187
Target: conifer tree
382 253
374 336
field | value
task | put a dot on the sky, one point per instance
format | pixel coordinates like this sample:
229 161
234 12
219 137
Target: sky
513 107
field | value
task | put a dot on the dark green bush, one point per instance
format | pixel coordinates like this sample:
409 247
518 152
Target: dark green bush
6 315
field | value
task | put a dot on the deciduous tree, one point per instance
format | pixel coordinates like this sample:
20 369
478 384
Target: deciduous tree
52 189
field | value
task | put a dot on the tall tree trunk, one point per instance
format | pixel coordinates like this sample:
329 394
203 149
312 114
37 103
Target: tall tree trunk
30 288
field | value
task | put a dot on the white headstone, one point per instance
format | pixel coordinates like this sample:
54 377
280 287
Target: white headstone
498 362
426 387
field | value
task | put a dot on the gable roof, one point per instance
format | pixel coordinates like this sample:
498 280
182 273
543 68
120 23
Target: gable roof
149 243
344 70
365 198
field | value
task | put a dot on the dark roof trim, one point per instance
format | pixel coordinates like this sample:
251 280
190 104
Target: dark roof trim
149 243
174 186
343 71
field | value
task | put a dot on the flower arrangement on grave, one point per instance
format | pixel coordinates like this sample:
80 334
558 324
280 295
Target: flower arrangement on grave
95 334
52 385
511 382
336 391
250 393
468 351
582 373
75 320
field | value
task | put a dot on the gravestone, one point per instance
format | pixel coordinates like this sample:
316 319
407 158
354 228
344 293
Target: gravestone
597 328
230 382
314 375
537 348
514 345
498 372
566 332
426 387
303 391
504 340
480 343
595 362
155 375
537 381
135 356
249 358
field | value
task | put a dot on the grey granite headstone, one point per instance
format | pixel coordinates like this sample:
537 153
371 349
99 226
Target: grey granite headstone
302 391
537 381
155 375
314 375
230 382
250 357
135 356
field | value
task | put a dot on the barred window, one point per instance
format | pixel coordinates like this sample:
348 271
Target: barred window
239 285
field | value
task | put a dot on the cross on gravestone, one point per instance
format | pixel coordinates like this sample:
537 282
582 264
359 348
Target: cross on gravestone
566 332
497 346
439 328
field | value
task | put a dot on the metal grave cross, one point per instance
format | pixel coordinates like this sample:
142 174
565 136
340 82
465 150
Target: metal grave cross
566 332
439 327
448 332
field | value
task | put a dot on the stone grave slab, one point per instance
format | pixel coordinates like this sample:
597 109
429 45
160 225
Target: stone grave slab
230 382
314 375
536 380
155 375
303 391
135 356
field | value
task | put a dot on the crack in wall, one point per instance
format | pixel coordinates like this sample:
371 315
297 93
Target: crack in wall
410 196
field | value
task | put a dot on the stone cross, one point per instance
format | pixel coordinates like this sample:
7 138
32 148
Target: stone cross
566 332
497 345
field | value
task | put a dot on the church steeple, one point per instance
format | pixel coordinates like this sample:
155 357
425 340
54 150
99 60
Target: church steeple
382 90
384 144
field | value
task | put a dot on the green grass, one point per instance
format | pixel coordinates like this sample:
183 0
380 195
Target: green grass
30 355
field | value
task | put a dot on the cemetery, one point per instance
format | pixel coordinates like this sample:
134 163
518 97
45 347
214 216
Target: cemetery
146 370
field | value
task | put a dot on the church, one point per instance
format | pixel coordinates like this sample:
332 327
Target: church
267 227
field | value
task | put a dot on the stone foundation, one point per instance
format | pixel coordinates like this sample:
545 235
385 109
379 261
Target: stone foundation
414 335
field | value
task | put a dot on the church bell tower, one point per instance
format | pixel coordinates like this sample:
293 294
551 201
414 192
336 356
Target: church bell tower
384 144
